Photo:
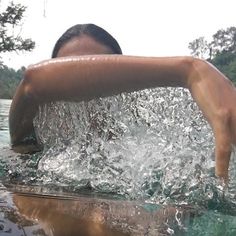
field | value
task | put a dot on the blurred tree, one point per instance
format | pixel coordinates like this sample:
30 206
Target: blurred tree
226 62
231 70
221 52
199 48
9 19
224 40
9 80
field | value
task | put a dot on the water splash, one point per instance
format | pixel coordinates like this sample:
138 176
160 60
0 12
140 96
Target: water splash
152 144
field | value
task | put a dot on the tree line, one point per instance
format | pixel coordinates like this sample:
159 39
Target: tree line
9 80
11 41
220 51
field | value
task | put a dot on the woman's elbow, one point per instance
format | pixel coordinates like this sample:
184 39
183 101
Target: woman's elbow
27 83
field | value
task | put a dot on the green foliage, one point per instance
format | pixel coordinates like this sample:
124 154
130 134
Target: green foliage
226 63
223 58
11 18
199 47
224 41
9 80
221 51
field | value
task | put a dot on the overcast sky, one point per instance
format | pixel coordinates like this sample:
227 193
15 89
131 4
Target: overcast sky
142 27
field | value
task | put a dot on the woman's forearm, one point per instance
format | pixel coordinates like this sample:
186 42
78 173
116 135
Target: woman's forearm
87 77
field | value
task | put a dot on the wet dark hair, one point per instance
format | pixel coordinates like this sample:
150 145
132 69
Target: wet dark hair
94 31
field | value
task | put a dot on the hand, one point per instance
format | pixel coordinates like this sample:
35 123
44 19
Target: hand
224 128
216 97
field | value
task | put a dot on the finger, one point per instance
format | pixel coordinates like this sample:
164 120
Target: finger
222 153
223 146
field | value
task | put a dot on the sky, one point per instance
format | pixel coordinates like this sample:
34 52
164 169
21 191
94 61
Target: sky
142 27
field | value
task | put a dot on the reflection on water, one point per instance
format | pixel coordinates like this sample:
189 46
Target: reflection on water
44 213
86 215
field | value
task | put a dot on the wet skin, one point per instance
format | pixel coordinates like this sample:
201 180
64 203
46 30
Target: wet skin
98 217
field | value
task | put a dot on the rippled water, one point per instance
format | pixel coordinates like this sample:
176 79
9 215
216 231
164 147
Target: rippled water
152 145
4 133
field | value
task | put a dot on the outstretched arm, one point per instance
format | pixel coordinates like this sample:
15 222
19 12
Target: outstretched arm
215 96
87 77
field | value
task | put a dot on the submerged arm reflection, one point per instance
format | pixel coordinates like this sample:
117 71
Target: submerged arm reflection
96 217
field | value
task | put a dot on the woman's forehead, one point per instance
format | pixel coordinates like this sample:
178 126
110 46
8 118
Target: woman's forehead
83 45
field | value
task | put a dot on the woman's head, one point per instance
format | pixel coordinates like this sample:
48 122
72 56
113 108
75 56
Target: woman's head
85 39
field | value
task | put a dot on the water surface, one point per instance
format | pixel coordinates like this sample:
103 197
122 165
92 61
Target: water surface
151 149
4 133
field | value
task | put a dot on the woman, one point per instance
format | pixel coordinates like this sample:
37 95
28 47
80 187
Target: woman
87 68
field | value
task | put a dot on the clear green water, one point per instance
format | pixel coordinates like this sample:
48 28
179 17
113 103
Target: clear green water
179 177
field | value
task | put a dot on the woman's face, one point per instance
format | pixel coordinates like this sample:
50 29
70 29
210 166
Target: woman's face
83 45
